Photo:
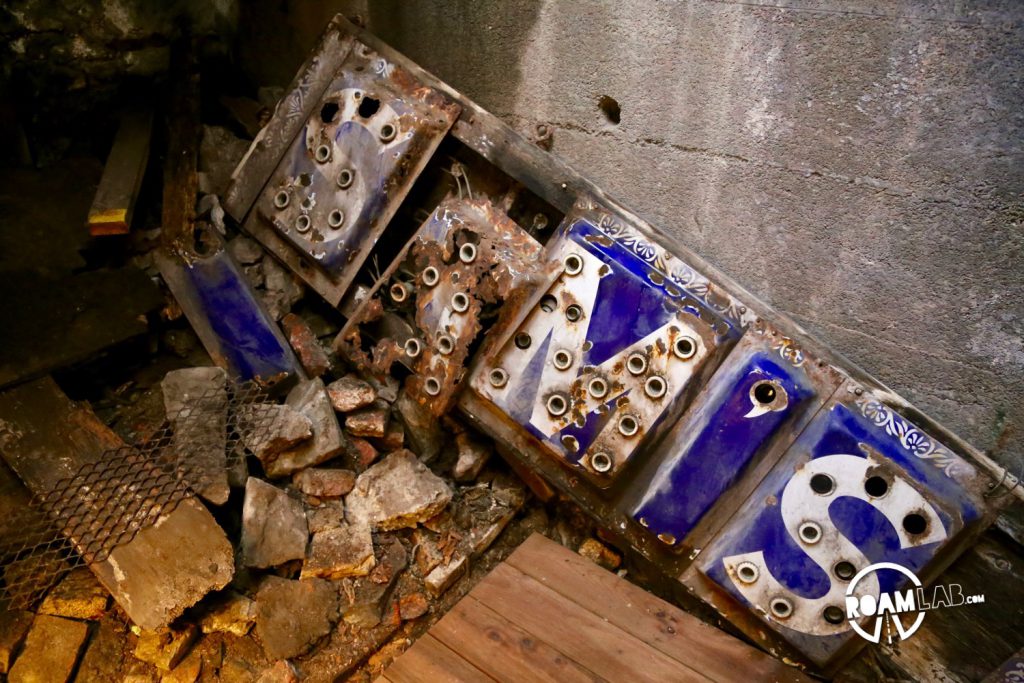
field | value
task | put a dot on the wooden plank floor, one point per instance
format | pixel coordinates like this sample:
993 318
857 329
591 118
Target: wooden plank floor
547 614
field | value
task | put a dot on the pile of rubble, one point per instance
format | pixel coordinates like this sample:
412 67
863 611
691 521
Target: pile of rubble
341 535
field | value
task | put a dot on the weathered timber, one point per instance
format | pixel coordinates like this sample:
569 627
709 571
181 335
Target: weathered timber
114 205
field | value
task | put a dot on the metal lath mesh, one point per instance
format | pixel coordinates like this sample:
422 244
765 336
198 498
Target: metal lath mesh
84 518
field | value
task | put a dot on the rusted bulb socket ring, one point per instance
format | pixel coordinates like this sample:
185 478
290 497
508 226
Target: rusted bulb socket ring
562 359
557 405
467 252
629 425
460 302
498 378
601 462
636 363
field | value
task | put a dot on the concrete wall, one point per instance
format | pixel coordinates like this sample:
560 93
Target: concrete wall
857 164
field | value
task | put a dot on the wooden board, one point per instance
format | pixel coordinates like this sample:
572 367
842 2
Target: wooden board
114 204
547 614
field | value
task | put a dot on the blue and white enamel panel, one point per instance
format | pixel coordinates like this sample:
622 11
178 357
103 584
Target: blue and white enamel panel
761 389
602 360
861 485
338 183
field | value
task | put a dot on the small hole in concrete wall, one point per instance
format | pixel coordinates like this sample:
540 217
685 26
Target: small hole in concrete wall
328 112
610 107
368 107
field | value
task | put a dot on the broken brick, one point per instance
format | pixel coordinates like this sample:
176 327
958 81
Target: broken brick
306 346
368 422
325 483
364 451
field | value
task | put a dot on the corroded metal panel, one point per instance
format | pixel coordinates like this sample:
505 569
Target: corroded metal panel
428 310
758 400
861 485
235 329
348 168
607 353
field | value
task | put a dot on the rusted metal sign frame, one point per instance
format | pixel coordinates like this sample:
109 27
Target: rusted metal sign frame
325 67
555 182
466 256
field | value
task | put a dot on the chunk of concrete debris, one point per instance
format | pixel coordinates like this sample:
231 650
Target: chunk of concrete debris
397 492
164 648
50 652
330 514
337 552
473 455
310 399
281 672
229 613
169 566
267 429
600 554
350 393
363 599
78 596
14 625
371 421
443 576
292 615
273 526
422 429
246 251
306 346
325 483
196 401
283 289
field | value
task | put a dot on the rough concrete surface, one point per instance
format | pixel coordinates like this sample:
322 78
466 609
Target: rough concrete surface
856 163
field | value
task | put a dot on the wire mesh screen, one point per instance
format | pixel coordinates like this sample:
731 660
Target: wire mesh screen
82 519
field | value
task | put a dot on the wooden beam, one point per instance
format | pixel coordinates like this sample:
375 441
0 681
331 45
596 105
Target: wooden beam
114 205
181 179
